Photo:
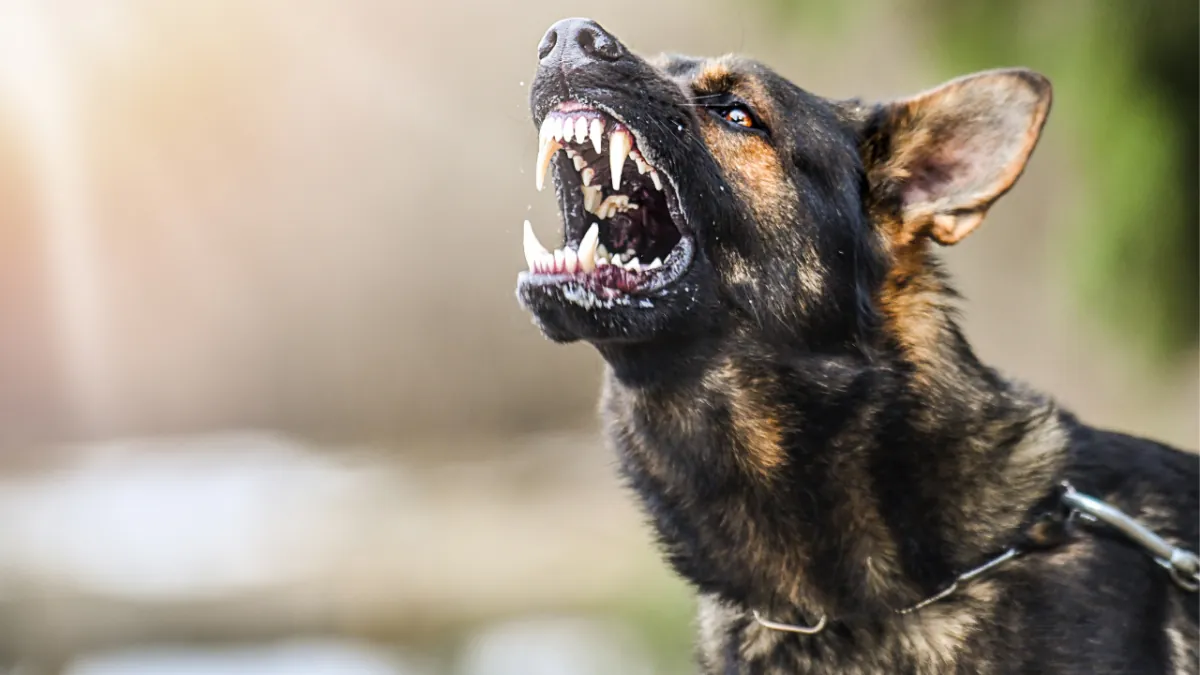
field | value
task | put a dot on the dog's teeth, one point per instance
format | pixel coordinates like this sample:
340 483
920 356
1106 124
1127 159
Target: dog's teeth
597 132
591 197
560 260
619 145
588 175
633 265
655 265
534 251
549 146
547 262
557 128
570 153
641 164
568 130
612 205
579 162
581 129
571 260
602 262
601 252
587 248
657 181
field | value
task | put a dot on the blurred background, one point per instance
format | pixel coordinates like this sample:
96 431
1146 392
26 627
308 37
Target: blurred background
267 402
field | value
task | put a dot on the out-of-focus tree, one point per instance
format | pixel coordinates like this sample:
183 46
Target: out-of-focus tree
1126 83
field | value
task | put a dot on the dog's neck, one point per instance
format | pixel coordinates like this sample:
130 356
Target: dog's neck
807 484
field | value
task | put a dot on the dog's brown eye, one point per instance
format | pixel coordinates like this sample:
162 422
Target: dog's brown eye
739 116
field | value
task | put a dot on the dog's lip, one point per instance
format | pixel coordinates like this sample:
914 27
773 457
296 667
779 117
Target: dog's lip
677 265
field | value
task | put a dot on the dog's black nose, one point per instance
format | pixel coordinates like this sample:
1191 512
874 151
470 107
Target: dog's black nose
577 42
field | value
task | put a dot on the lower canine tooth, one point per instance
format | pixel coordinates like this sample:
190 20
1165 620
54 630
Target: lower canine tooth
534 251
587 248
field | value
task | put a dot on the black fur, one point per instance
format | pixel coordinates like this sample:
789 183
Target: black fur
805 423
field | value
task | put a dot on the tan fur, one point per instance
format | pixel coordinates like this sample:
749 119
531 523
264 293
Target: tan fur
1183 638
753 168
913 302
755 424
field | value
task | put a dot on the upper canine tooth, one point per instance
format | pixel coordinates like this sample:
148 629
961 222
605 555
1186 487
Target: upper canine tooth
546 152
620 142
587 248
657 180
533 248
597 132
547 129
581 129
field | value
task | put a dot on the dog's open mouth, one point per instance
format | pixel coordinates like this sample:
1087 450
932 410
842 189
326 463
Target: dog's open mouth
622 222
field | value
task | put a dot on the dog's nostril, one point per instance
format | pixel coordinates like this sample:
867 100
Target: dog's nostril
595 42
548 42
577 42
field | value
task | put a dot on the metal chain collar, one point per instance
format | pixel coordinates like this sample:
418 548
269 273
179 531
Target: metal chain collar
1183 565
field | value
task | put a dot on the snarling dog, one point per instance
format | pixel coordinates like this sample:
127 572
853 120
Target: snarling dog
823 456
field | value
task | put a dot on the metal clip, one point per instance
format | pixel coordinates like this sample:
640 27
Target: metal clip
1183 565
789 627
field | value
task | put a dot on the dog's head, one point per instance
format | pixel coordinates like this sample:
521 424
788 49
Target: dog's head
701 196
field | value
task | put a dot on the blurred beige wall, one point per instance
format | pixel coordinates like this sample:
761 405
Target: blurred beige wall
305 216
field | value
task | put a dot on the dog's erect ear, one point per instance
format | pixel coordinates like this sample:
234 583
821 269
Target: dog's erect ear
944 156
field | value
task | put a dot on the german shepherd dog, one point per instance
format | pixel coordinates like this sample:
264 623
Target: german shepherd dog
789 392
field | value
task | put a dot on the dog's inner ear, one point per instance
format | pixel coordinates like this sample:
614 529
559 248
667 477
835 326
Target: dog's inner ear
942 157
